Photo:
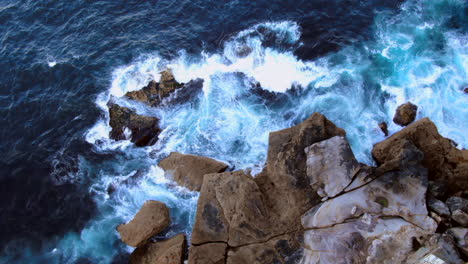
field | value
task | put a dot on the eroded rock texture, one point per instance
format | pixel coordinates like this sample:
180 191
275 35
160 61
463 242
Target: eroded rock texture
444 161
166 89
151 219
331 166
368 239
170 251
188 170
127 124
314 203
210 253
405 114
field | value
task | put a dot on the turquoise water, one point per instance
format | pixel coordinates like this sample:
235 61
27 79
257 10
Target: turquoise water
418 54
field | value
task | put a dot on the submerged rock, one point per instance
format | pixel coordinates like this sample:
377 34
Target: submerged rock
170 251
142 130
405 114
188 170
151 219
444 161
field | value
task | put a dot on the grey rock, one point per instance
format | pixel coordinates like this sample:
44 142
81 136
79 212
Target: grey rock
460 235
438 206
457 203
438 189
331 166
460 217
368 239
440 246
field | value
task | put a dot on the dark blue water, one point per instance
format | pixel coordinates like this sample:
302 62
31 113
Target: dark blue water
355 61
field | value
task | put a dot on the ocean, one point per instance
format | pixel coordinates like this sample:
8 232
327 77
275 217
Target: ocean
267 65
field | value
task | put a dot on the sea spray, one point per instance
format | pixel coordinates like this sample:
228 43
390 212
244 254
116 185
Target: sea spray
417 55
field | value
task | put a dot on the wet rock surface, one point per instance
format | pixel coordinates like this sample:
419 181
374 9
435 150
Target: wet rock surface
314 203
127 124
405 114
383 126
155 92
167 91
152 218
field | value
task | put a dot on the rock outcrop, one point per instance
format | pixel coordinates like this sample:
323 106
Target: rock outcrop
188 170
368 239
170 251
383 126
167 88
154 92
331 166
127 124
315 203
151 219
144 130
210 253
405 114
316 200
444 161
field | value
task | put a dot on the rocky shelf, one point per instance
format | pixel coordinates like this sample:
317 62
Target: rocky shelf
313 202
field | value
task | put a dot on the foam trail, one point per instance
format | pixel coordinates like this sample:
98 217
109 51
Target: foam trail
356 88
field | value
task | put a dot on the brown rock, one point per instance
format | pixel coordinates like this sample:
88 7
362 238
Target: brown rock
283 249
405 114
154 92
167 83
188 170
231 209
383 126
146 95
144 129
237 209
284 181
443 161
151 219
210 253
170 251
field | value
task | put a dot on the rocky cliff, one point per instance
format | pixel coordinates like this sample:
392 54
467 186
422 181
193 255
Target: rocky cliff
314 202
